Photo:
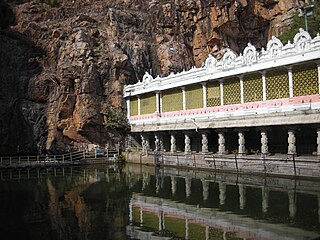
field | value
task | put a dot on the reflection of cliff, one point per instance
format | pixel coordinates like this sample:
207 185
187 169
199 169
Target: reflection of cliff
89 209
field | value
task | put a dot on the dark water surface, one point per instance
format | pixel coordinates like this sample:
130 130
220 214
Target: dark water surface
137 202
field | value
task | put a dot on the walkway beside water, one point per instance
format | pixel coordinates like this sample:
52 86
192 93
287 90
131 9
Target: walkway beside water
67 159
273 165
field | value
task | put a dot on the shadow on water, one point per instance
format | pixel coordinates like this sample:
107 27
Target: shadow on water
138 202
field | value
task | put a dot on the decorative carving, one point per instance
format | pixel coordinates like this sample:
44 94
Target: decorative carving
210 64
302 40
249 55
147 79
228 60
274 47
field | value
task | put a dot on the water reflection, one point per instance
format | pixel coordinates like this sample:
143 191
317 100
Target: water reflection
135 202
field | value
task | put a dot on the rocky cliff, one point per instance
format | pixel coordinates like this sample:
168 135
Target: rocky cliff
63 63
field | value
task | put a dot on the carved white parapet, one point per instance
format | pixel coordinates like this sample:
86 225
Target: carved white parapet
228 59
302 41
210 64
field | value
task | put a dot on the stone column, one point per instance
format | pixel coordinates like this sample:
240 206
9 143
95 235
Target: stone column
204 143
141 216
205 189
207 233
221 142
187 146
265 200
143 143
188 186
242 141
319 207
160 101
161 143
292 203
128 108
264 143
173 146
241 89
318 141
204 94
187 229
130 212
291 142
157 102
173 185
290 76
318 66
184 103
222 193
157 142
264 86
139 106
221 93
145 180
242 196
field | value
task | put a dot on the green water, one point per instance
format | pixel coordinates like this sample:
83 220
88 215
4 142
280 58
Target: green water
135 202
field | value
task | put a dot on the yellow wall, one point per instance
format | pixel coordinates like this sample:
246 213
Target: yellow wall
133 106
277 84
147 103
305 80
213 94
194 97
252 88
172 100
231 91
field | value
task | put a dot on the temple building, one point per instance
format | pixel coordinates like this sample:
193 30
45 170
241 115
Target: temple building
264 101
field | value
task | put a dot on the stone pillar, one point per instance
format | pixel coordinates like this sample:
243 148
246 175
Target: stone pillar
173 185
160 101
160 220
161 143
184 103
292 203
204 94
187 229
242 141
221 93
207 233
241 89
318 66
221 142
291 142
319 207
264 86
188 186
187 146
318 141
205 189
130 212
242 196
222 193
141 216
145 180
143 143
157 102
128 108
139 105
264 143
173 146
265 200
204 143
157 142
290 76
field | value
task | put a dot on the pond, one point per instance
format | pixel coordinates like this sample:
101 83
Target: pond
140 202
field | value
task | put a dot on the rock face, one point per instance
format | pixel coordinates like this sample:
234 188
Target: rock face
63 66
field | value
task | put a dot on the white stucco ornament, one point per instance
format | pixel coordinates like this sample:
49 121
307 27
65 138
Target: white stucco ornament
249 55
302 40
147 79
228 60
210 64
274 47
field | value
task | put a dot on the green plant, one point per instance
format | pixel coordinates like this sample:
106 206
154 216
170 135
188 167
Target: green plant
299 22
114 117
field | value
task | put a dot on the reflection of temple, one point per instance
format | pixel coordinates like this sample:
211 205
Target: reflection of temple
261 198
